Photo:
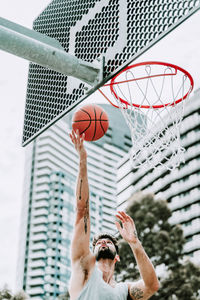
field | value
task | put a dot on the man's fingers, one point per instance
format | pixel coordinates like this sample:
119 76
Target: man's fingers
82 139
119 217
118 226
78 136
124 217
73 136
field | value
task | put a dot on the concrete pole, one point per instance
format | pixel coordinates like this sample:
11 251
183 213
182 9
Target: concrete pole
45 51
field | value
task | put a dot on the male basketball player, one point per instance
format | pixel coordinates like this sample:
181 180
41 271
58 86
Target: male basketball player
92 273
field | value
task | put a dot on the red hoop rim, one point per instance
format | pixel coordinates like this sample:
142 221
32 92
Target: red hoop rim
159 75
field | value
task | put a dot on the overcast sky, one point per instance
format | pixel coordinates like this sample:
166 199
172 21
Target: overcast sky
180 47
13 79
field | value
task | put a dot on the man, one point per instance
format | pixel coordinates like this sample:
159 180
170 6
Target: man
92 273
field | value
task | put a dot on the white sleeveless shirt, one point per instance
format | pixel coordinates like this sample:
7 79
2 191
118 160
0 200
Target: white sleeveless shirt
97 289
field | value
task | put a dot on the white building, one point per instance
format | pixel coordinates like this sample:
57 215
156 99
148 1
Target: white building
181 187
49 201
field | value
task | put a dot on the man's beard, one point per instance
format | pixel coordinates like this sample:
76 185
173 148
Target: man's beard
105 253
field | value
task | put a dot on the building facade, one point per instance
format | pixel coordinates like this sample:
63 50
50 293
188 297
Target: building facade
181 187
49 201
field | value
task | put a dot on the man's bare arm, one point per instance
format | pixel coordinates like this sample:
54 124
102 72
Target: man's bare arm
149 284
81 235
145 288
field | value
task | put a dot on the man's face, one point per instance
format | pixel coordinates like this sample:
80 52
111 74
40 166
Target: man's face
104 248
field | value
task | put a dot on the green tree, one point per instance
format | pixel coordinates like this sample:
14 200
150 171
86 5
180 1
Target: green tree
163 243
5 293
182 283
64 296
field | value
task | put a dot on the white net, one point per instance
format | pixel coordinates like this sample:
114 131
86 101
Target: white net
152 98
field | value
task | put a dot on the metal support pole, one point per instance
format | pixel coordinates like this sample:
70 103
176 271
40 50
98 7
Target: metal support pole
45 51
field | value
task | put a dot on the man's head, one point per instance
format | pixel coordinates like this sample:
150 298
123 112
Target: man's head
105 246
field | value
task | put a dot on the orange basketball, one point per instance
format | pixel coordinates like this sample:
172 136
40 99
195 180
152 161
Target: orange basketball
92 120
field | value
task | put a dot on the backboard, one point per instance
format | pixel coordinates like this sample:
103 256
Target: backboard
119 31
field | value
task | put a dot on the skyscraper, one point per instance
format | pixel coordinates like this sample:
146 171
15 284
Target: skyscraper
181 187
49 201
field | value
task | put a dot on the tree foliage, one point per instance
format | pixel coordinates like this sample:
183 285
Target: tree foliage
5 293
64 296
164 244
183 283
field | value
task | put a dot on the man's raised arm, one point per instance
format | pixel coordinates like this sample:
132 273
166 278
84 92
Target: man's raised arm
81 236
149 284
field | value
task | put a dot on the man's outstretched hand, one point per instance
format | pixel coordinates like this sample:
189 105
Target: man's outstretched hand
78 143
127 230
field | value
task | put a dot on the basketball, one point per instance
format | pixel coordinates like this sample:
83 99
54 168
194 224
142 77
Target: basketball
92 120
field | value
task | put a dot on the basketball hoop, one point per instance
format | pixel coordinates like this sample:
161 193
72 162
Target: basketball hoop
151 96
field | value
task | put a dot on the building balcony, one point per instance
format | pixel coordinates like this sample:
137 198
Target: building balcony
192 152
178 201
192 137
48 288
39 220
40 228
108 210
35 291
193 228
40 212
192 245
49 271
189 168
37 254
41 180
56 138
41 195
38 272
114 149
184 216
100 186
190 122
38 237
100 179
181 186
123 196
36 263
109 227
41 203
50 253
123 170
45 171
195 258
42 188
36 281
125 182
38 246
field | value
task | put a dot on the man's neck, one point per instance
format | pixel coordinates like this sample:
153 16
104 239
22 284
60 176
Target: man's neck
107 266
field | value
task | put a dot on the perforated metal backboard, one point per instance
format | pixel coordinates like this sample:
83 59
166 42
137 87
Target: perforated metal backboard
118 30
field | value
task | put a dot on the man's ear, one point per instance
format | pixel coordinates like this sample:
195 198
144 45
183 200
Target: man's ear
117 258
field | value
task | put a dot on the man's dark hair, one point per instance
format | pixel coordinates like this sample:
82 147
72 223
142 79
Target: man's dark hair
106 236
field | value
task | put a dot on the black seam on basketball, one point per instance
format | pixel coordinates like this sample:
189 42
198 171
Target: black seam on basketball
101 124
94 124
87 120
85 111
